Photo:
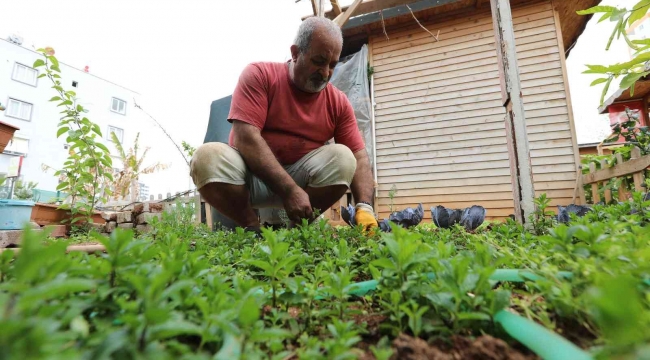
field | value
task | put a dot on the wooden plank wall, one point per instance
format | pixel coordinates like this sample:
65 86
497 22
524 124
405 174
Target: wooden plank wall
439 119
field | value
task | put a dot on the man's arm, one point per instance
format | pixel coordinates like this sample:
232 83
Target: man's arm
363 184
261 161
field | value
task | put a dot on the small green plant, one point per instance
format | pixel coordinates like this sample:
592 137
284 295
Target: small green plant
541 219
391 195
24 190
189 149
89 162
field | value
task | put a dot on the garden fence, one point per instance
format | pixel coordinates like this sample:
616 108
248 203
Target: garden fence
636 167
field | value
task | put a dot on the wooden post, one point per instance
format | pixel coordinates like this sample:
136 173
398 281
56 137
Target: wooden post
197 208
594 187
622 189
523 190
638 177
342 18
608 192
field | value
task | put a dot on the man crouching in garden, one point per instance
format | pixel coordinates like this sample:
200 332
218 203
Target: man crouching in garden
283 114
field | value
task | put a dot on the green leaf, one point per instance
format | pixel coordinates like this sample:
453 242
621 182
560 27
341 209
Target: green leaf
262 265
473 316
62 131
54 60
599 81
173 328
629 81
54 289
55 68
642 8
384 263
249 312
605 90
597 9
41 76
56 98
38 63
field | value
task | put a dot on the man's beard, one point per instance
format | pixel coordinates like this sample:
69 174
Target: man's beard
315 85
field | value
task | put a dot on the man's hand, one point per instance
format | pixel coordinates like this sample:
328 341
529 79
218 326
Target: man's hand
297 205
365 216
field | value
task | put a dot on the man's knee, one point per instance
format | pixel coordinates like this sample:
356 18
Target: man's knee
338 166
217 162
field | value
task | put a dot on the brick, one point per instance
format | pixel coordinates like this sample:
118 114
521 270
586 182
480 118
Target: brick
145 218
156 207
109 216
124 217
57 231
110 226
140 208
10 237
125 226
143 228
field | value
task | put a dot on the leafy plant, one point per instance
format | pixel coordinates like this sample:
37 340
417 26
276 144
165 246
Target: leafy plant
126 180
634 69
24 190
85 170
541 219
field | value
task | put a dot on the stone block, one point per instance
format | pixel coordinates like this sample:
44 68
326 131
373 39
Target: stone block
10 237
125 226
57 231
124 217
109 216
145 218
143 228
156 207
110 226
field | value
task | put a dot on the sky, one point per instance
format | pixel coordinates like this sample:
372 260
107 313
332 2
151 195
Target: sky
180 55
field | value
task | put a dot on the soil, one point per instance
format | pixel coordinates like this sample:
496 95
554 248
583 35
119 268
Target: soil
483 348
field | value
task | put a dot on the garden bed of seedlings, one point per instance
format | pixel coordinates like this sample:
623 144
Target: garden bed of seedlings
318 292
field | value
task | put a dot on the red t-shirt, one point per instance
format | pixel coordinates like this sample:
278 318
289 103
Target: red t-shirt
293 122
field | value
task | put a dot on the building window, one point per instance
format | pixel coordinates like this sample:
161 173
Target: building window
118 106
118 132
17 146
25 74
19 109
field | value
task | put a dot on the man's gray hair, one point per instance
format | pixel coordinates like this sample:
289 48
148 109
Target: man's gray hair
307 28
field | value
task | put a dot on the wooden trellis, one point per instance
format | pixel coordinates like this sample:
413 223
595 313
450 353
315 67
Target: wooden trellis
635 167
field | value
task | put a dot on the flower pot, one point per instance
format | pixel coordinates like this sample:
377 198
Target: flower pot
6 134
49 214
14 214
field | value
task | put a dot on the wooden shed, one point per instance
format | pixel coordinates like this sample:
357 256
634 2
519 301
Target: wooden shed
439 116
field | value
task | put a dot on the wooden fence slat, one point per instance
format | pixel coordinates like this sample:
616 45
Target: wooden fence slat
594 185
622 189
636 165
638 176
608 192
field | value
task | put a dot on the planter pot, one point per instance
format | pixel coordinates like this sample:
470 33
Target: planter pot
14 214
6 133
49 214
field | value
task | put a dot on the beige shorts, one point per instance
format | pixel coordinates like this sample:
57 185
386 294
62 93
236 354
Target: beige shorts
328 165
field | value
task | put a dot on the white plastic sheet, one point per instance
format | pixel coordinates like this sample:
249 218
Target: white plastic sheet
351 77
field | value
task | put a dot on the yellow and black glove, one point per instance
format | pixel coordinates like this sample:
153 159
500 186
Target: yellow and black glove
365 216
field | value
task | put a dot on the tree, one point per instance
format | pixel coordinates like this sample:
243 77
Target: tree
126 180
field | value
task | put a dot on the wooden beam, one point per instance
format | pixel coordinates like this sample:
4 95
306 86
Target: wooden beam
565 77
636 165
344 17
521 172
314 7
336 8
369 6
72 248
